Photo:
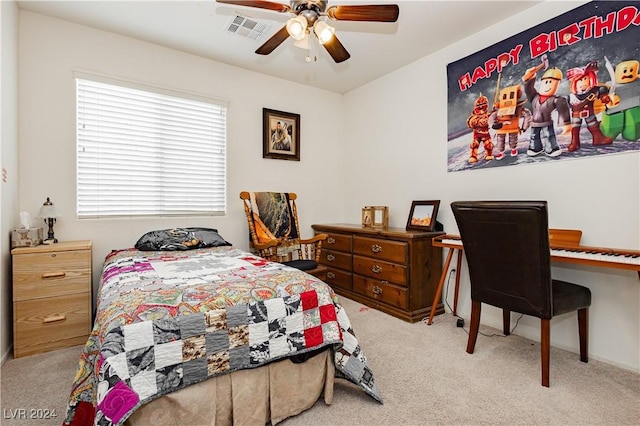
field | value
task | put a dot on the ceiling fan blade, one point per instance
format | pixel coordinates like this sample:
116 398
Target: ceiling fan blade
336 50
275 41
260 4
376 13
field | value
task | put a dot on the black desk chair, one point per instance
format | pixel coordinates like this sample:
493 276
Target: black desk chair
507 249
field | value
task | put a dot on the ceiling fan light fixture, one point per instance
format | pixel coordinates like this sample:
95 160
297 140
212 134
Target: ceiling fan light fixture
323 31
297 27
304 42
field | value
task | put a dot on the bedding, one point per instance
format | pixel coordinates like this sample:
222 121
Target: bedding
256 396
169 319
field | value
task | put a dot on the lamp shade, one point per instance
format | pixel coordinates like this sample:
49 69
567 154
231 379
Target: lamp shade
297 27
48 210
323 31
303 43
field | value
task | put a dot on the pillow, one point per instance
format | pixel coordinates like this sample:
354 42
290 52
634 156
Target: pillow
180 239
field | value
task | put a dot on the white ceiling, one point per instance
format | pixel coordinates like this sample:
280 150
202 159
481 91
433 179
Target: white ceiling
200 28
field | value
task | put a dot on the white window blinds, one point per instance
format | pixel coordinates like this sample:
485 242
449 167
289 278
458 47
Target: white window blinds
148 153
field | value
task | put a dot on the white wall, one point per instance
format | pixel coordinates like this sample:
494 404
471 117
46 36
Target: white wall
407 160
9 162
50 49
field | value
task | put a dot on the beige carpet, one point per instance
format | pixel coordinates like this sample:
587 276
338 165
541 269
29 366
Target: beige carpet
423 373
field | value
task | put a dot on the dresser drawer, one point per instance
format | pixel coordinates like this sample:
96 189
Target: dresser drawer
381 291
337 242
336 259
393 251
338 278
380 270
51 322
51 274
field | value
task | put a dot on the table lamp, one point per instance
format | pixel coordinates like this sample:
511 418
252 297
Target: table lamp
49 213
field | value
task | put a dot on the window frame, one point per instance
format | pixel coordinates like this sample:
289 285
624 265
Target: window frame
218 163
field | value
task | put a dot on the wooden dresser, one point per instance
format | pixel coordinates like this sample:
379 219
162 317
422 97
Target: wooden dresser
393 270
51 296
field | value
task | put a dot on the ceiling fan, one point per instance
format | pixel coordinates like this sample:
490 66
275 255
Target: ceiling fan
307 20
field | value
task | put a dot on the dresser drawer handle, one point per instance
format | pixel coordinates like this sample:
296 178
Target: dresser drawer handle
376 248
331 257
331 240
54 318
331 275
376 269
54 275
377 290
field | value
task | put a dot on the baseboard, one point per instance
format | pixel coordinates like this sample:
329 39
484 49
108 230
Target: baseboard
534 334
7 354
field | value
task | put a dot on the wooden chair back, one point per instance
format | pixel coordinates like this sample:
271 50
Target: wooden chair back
281 250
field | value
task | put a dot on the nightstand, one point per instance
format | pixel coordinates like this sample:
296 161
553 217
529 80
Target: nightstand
51 296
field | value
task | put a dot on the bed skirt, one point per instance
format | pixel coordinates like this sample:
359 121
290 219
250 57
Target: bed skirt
270 393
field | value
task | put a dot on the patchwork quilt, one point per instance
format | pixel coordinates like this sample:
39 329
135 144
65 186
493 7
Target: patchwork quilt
166 320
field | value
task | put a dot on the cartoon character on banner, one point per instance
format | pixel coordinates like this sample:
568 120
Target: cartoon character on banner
544 101
622 115
509 118
587 98
478 121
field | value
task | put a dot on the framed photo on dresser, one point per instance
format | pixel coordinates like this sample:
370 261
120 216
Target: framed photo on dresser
422 216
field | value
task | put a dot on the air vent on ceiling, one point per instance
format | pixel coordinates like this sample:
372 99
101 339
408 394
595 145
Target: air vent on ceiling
247 27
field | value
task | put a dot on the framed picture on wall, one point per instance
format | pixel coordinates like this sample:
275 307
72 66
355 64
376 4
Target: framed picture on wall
280 135
422 216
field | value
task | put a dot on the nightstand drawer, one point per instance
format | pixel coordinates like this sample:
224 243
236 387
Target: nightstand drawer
393 251
43 324
37 275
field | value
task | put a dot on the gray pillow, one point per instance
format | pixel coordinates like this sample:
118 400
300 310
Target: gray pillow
180 239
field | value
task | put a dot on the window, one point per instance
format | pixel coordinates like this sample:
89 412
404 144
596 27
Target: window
148 152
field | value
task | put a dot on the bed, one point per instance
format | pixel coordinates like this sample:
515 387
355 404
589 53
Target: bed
199 333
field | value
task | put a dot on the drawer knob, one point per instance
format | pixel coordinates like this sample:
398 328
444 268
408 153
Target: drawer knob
331 240
59 274
331 257
376 248
376 269
377 290
331 275
54 318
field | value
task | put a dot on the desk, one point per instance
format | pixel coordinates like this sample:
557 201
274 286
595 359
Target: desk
453 243
564 247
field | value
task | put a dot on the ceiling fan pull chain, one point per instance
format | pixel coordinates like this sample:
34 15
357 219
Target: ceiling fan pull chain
309 58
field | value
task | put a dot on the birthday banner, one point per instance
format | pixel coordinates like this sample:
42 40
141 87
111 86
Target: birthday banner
567 88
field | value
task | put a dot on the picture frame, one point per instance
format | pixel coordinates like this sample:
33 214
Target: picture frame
423 214
367 215
379 216
280 135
